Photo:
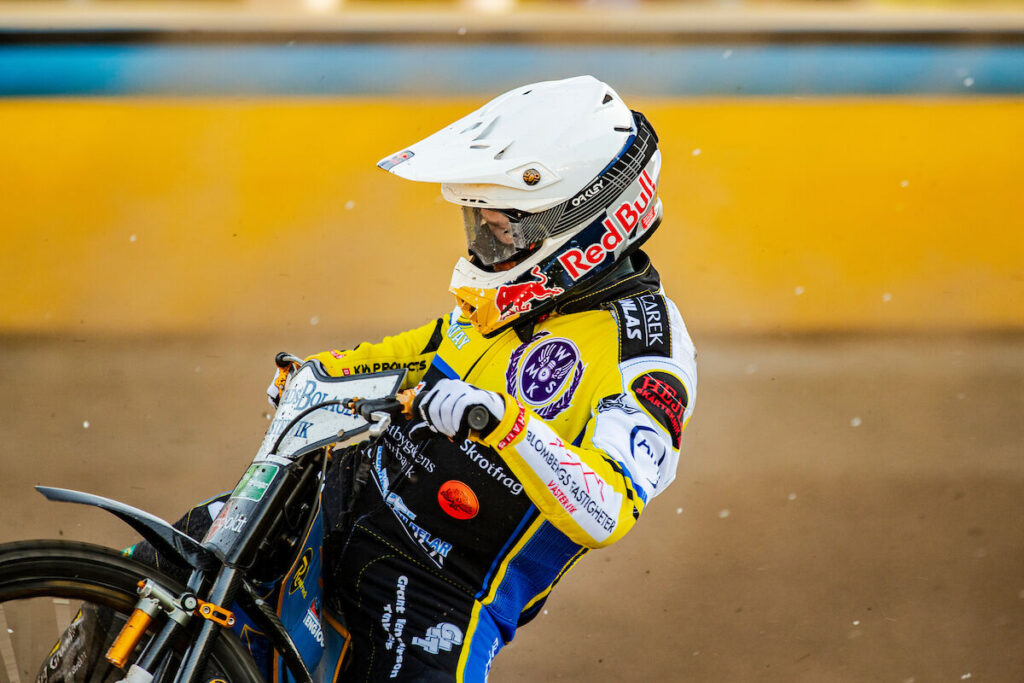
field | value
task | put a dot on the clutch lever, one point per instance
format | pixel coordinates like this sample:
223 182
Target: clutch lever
380 411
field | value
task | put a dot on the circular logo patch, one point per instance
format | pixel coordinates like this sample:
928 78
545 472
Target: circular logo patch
458 500
546 369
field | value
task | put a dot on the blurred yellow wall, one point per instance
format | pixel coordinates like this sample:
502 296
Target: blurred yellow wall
143 215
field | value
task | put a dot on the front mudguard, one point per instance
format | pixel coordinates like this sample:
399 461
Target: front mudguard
165 538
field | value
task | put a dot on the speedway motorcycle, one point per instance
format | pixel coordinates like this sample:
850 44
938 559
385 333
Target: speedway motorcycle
253 585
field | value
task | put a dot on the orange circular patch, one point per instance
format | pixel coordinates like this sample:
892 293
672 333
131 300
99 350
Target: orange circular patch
458 500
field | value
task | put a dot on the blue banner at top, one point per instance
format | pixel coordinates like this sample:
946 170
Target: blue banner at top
386 69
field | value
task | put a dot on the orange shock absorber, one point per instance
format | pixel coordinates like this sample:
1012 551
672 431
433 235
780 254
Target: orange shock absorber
132 632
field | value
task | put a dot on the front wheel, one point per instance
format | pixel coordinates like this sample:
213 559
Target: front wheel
53 589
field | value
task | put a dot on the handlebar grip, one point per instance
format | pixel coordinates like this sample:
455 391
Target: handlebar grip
365 407
285 360
478 418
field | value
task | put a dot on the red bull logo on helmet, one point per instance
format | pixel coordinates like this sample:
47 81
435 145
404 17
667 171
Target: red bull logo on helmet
617 229
520 298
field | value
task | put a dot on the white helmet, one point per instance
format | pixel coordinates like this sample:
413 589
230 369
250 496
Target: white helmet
558 183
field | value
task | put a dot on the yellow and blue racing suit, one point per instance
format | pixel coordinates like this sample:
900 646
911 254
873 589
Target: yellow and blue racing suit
452 546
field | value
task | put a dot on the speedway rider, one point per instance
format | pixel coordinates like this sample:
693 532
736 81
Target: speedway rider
563 332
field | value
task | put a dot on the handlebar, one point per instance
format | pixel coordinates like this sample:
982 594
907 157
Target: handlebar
478 418
286 360
366 407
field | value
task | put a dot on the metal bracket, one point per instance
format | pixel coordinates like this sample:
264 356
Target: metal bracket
215 613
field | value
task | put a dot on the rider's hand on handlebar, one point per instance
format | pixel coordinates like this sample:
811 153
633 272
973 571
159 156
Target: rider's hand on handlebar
276 387
445 409
286 364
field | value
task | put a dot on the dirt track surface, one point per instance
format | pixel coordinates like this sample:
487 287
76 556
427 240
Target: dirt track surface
847 509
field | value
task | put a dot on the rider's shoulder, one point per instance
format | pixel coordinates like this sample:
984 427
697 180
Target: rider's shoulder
648 325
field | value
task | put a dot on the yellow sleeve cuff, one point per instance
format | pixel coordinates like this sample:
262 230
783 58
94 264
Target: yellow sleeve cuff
512 425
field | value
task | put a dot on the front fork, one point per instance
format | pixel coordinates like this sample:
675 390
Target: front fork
154 599
214 617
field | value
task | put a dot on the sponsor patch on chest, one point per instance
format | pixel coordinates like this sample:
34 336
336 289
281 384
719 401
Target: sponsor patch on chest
544 373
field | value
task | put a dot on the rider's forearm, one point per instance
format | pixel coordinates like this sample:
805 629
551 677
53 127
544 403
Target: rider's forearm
411 350
583 492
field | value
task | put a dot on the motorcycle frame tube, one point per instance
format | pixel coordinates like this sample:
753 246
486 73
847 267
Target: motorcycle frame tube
221 593
242 548
239 549
265 618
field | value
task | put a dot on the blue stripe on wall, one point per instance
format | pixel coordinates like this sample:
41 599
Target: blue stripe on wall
382 69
